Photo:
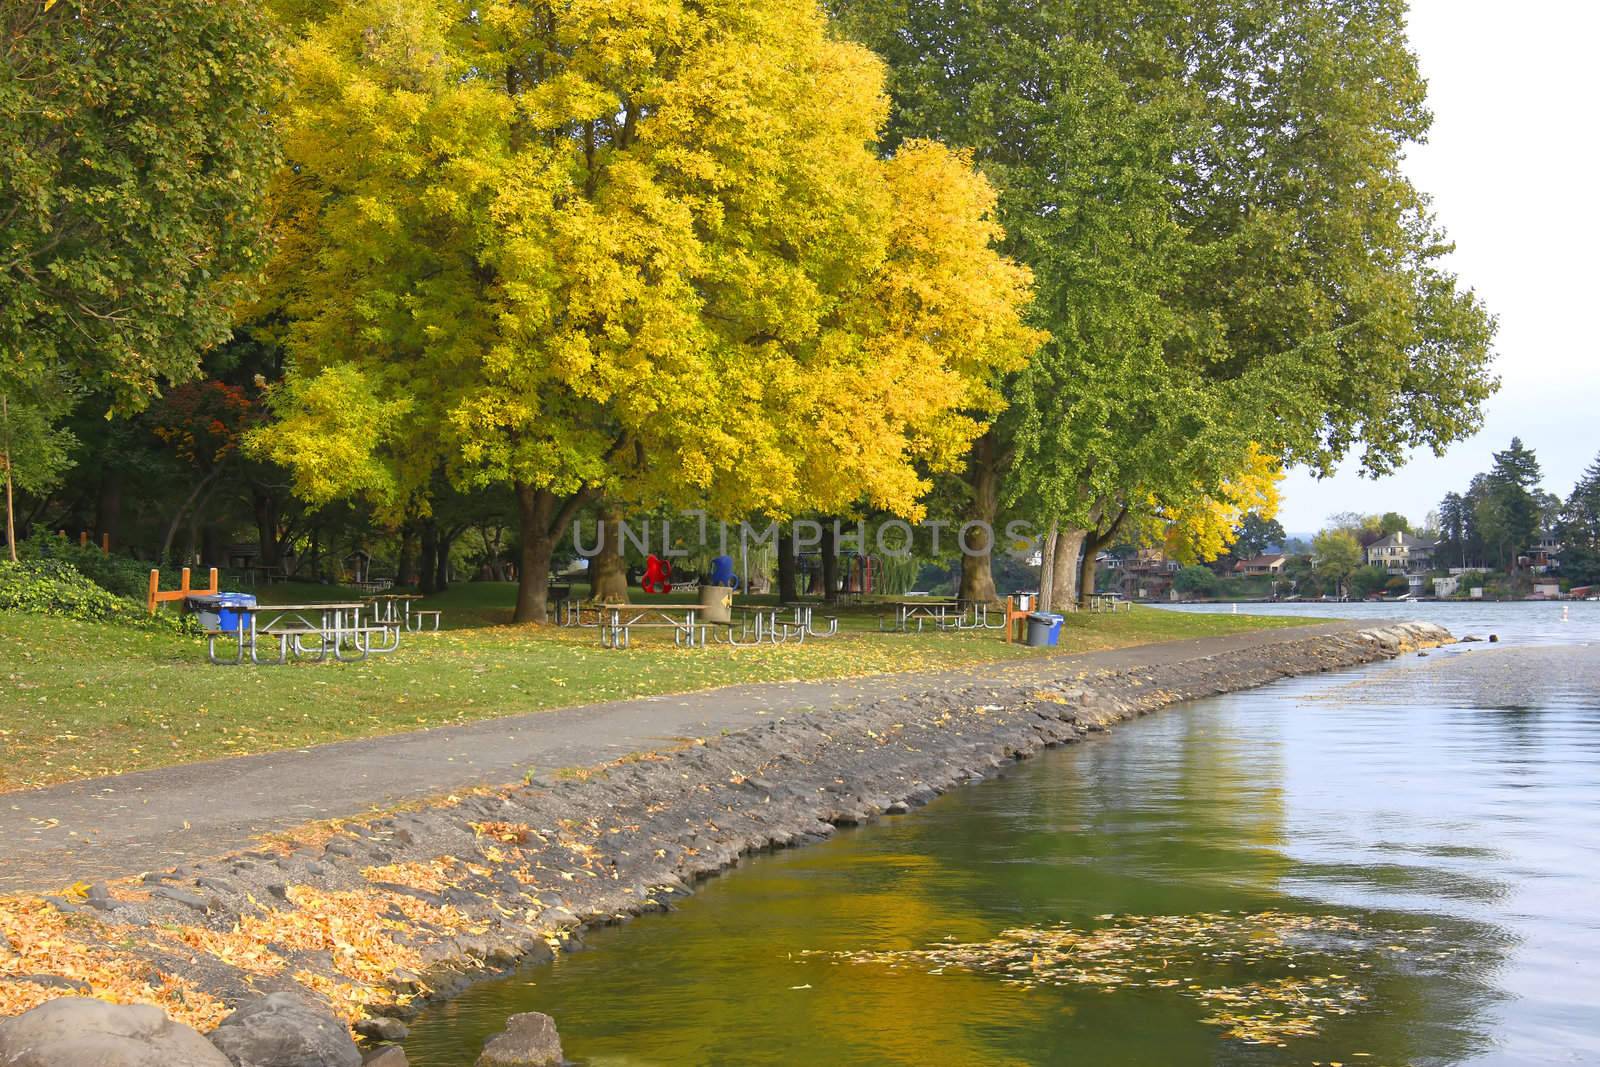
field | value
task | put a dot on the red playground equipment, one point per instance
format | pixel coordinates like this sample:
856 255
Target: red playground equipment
657 575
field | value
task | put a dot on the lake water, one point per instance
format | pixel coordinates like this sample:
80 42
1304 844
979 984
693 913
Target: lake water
1390 865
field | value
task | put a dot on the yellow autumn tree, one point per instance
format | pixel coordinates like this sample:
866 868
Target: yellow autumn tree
640 249
1203 526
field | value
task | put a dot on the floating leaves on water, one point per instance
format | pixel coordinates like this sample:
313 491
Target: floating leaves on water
1199 956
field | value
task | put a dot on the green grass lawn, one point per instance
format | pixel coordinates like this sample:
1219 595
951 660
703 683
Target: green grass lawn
83 699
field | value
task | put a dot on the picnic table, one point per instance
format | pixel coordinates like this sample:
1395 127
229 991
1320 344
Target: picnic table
980 614
754 624
1108 602
574 611
945 614
394 609
317 631
803 615
948 613
617 621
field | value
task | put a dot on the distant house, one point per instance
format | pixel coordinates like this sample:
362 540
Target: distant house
1547 590
1447 586
1400 553
1147 576
1584 592
1543 555
1271 566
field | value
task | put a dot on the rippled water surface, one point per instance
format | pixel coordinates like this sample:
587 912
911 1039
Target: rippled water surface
1391 865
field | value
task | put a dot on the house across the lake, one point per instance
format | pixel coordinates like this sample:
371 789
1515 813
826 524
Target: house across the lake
1148 575
1400 553
1271 565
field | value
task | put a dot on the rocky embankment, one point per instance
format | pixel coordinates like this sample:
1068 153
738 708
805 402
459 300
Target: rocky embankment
371 921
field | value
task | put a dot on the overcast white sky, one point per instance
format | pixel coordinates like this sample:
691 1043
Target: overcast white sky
1511 165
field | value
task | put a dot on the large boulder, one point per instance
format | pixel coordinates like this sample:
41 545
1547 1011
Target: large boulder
80 1032
529 1040
283 1030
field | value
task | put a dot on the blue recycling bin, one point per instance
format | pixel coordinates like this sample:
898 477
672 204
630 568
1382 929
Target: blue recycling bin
219 611
722 573
1044 629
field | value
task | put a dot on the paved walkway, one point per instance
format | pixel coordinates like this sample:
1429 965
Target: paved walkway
151 820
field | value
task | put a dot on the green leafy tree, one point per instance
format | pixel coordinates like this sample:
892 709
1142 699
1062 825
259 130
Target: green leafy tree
1196 580
33 455
134 151
1255 535
1226 250
1393 522
1337 554
1364 581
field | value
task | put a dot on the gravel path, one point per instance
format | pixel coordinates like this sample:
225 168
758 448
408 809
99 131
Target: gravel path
107 828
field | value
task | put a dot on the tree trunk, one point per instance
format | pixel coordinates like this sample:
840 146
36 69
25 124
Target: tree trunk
1091 549
491 553
405 568
177 520
11 517
538 546
1066 577
1047 567
609 570
428 570
787 591
977 549
265 507
830 565
542 518
108 508
441 573
213 552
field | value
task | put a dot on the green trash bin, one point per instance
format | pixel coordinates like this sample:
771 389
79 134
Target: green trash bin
1044 629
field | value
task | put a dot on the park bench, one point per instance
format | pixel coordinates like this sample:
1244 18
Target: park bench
418 615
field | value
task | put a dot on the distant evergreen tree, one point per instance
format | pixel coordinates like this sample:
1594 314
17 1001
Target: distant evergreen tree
1453 529
1510 513
1579 529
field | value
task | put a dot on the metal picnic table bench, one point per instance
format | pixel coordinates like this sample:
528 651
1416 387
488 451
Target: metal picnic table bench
947 614
617 621
752 624
337 631
395 609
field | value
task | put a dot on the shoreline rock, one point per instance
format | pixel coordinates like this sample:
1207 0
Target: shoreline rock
528 1040
500 879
